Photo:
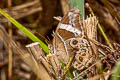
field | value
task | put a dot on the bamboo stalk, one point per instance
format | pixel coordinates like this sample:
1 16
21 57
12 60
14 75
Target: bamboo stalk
36 53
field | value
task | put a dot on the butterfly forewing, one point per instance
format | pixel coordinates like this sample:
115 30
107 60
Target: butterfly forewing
65 31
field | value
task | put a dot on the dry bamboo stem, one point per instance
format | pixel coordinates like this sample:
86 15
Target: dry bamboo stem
36 52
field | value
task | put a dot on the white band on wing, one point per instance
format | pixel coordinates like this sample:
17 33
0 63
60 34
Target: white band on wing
70 29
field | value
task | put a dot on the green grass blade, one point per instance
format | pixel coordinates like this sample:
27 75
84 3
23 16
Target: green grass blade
26 31
78 4
105 36
116 71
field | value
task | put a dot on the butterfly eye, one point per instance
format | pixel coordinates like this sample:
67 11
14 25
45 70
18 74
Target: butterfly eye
74 42
80 59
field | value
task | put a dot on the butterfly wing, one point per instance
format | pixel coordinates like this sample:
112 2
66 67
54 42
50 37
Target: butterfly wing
68 28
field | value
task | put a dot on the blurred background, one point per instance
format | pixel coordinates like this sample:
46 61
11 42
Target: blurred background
37 16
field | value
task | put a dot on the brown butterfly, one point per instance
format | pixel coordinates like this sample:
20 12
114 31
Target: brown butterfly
70 39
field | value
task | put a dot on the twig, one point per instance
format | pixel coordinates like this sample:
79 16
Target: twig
23 10
25 5
96 77
65 6
10 47
112 10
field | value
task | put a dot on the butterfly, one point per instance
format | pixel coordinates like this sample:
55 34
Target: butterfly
70 39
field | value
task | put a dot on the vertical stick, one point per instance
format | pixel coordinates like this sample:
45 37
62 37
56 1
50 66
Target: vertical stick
10 47
65 6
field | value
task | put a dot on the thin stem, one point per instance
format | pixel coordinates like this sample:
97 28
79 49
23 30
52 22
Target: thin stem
10 47
67 67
